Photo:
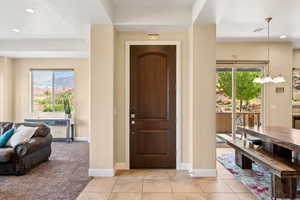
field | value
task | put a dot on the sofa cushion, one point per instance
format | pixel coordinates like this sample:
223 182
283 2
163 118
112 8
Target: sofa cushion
42 131
6 136
5 126
6 154
22 135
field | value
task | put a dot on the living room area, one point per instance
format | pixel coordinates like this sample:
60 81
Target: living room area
38 96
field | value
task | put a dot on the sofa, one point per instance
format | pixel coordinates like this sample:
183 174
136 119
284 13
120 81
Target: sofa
23 157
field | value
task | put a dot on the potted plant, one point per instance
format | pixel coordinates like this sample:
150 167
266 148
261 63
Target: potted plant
67 107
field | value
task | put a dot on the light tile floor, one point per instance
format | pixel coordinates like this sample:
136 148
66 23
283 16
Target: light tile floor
167 185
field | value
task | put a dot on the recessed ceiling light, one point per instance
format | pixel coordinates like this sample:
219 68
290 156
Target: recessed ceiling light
29 10
16 30
283 37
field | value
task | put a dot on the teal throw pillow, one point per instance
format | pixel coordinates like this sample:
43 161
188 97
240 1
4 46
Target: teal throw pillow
5 137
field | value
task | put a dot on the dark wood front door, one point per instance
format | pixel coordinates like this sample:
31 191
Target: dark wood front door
153 106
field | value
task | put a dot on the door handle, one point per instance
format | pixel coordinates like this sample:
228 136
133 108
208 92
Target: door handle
133 122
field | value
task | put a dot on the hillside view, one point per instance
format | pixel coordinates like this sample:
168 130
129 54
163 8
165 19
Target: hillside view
50 89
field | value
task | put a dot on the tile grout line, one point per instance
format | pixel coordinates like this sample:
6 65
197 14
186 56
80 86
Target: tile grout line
110 194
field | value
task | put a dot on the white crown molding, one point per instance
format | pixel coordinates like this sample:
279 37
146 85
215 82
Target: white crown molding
203 172
45 54
101 172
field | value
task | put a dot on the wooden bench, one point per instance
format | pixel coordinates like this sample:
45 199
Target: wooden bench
284 174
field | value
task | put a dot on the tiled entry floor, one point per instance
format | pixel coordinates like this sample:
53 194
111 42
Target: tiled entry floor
166 185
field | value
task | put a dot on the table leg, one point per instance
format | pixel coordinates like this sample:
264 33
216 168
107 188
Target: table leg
242 161
68 131
297 161
72 132
284 187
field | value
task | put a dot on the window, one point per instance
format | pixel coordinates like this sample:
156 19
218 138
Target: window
50 88
296 85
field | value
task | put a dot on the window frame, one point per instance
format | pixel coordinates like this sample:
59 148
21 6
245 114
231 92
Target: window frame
53 88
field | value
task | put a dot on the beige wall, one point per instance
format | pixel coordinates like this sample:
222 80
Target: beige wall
121 38
278 106
102 100
6 89
21 69
203 93
296 58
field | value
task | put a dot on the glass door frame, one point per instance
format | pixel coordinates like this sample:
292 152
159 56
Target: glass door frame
234 67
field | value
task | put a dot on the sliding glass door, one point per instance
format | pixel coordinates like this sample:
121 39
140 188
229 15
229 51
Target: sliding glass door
238 99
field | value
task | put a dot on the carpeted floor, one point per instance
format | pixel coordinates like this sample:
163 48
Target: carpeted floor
61 178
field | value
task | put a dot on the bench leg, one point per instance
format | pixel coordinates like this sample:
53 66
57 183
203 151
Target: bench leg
284 187
242 161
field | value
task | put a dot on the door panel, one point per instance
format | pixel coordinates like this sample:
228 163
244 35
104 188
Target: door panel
153 106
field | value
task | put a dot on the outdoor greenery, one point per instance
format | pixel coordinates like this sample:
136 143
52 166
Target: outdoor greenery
246 88
63 102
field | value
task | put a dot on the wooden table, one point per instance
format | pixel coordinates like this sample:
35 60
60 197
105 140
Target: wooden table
284 137
279 141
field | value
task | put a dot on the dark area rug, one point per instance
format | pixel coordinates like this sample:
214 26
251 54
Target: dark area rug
63 177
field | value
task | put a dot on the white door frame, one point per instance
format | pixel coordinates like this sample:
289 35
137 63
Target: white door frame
178 96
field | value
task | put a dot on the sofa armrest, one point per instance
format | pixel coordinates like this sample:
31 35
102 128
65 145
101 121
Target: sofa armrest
34 144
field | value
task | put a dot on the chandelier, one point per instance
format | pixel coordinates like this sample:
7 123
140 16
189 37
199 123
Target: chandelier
268 78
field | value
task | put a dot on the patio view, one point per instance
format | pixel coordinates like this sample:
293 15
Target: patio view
236 84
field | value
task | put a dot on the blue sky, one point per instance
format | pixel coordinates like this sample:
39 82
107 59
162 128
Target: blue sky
44 77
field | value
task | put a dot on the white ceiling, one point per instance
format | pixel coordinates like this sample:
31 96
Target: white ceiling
52 18
152 14
63 25
237 19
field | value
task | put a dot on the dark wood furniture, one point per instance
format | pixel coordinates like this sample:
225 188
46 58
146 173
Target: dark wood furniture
284 137
284 170
153 106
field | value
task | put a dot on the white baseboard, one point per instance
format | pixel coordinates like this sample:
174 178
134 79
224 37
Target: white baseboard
82 139
101 172
203 172
121 166
184 166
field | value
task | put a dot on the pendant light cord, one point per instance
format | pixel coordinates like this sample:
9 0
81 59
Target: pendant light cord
268 21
